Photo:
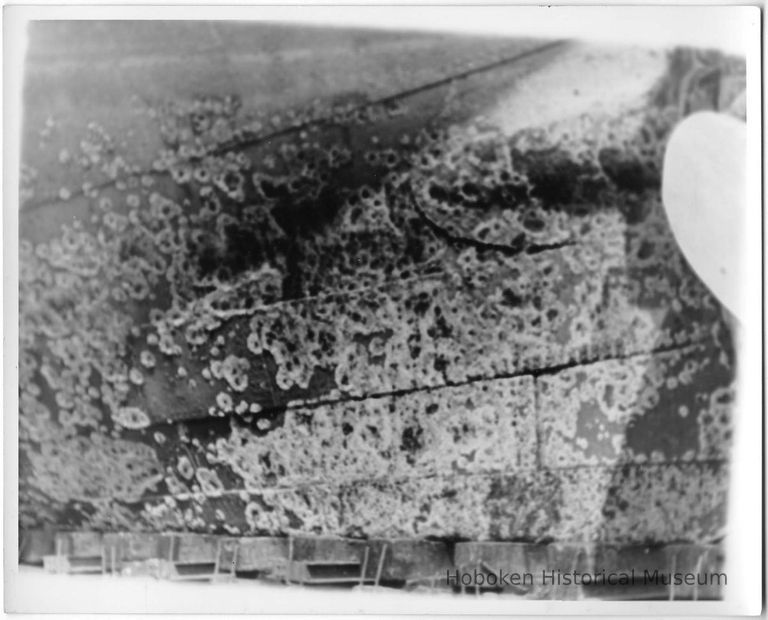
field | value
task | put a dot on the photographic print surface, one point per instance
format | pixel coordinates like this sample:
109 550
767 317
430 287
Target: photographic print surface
364 308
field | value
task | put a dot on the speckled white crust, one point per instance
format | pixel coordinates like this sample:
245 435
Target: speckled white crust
417 326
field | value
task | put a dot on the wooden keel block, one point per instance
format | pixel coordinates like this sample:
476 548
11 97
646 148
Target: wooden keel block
320 560
654 570
409 560
327 549
76 552
509 556
78 544
67 565
34 545
196 557
187 548
699 568
261 553
131 552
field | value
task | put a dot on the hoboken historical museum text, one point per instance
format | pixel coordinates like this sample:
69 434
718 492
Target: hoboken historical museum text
555 577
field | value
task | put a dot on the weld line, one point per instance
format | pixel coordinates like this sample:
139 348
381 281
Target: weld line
326 120
534 373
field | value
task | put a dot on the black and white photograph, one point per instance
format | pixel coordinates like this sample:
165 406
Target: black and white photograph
407 309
